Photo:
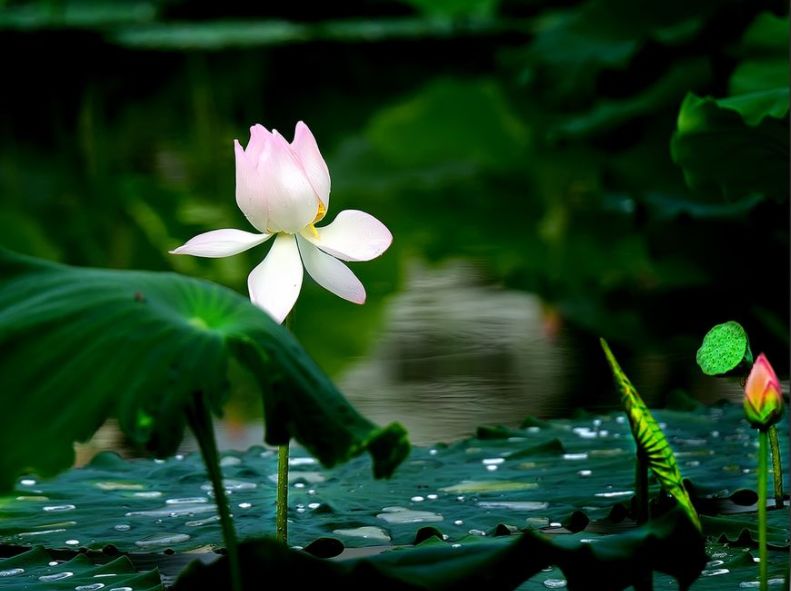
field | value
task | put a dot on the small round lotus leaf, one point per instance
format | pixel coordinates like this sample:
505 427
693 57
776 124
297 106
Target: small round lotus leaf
723 349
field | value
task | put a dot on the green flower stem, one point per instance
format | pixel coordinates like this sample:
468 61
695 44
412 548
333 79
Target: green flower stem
763 468
281 502
777 467
199 419
281 515
641 488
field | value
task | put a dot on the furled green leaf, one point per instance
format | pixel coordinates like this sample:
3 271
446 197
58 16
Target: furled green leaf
725 347
650 439
35 570
78 346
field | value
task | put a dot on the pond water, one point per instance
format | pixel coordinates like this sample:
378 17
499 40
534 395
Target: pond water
516 246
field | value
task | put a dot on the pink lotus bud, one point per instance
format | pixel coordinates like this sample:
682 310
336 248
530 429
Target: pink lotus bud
763 398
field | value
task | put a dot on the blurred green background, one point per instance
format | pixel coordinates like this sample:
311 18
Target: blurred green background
532 158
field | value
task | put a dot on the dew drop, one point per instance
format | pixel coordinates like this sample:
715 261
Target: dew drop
27 482
148 494
492 461
230 461
432 497
162 540
714 572
491 468
59 508
584 473
91 587
11 572
56 576
555 583
615 493
314 505
121 589
366 532
245 505
458 522
72 542
417 499
301 461
187 500
122 527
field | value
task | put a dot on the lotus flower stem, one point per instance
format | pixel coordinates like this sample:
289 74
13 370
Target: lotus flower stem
281 515
200 422
777 467
641 488
763 468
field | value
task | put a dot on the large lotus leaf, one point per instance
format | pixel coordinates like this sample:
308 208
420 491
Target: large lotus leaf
557 476
669 545
78 346
35 570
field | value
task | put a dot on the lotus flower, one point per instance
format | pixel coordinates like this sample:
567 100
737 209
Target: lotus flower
284 190
763 398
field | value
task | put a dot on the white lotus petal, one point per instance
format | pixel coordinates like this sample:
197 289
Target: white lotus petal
221 243
259 137
275 283
291 201
307 151
330 273
352 236
250 194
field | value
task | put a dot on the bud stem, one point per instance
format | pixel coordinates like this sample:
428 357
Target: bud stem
763 468
777 467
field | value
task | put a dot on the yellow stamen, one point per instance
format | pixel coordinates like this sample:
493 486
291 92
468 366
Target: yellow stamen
313 230
319 214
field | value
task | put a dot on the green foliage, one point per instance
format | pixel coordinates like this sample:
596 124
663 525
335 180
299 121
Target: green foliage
35 570
669 545
78 346
736 148
725 348
543 475
650 440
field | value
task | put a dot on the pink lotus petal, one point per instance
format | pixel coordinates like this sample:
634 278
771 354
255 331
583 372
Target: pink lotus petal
352 236
307 152
259 137
290 198
250 194
330 273
763 397
275 283
221 243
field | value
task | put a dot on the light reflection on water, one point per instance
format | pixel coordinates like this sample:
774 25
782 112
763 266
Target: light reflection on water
455 353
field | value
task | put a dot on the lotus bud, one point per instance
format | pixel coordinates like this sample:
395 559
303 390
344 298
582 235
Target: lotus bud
763 398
